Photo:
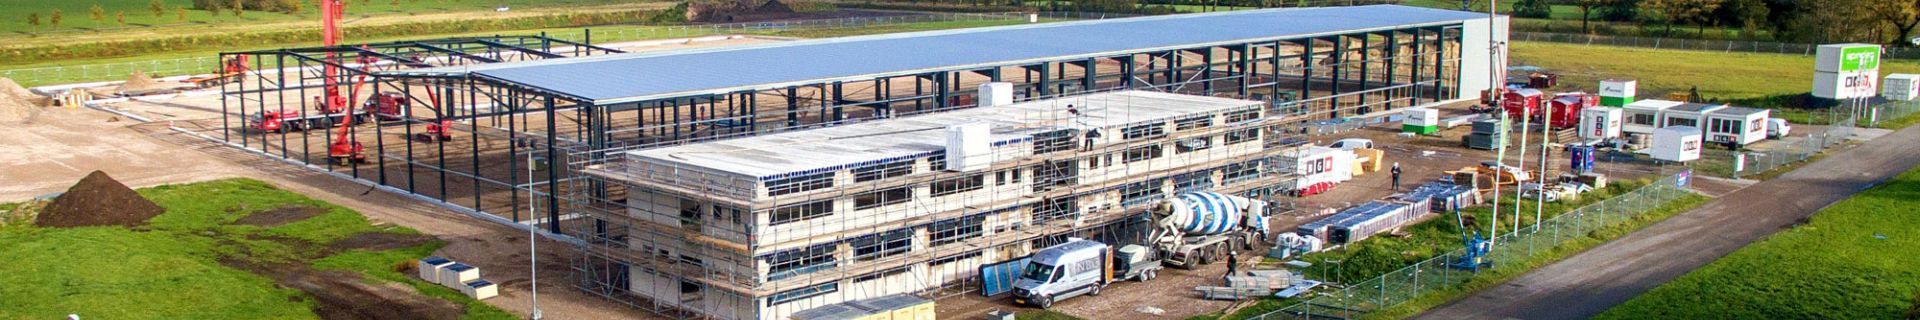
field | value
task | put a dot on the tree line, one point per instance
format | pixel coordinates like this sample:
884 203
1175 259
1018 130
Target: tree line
1813 21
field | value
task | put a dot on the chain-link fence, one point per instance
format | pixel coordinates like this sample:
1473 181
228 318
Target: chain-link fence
1691 44
39 76
1405 284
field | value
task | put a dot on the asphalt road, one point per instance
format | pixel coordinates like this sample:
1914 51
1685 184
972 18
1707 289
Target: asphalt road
1589 283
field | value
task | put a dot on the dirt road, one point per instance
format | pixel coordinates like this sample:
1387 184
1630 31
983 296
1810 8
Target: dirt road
1593 281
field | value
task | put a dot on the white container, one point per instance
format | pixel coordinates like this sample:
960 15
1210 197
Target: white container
1323 164
969 146
1679 144
1617 93
1424 117
1845 85
430 268
479 289
1689 115
1846 57
457 274
1600 123
1737 125
996 94
1900 87
1642 117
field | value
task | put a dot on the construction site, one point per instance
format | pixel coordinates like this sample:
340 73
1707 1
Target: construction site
755 181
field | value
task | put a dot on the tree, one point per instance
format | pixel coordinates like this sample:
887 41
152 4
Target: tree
1622 10
1533 9
1902 15
96 13
239 8
120 17
158 8
1586 12
1679 11
33 19
180 14
54 18
1749 15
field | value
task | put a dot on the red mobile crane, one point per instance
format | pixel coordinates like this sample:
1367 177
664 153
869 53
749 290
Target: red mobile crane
345 149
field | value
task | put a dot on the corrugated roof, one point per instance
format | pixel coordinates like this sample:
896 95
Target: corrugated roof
887 140
641 76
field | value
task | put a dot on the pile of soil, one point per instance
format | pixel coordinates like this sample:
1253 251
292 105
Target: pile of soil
280 216
378 241
17 103
139 82
345 295
98 200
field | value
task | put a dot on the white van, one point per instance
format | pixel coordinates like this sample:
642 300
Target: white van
1078 267
1778 128
1352 143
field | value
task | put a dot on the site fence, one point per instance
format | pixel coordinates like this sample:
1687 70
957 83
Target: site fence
116 71
1393 288
1692 44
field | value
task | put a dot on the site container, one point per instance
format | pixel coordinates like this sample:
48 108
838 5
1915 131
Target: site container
1737 125
1900 87
1421 121
1564 110
1678 143
1617 93
1643 117
1522 102
1600 123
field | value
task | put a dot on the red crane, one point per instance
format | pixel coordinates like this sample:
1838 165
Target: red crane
344 149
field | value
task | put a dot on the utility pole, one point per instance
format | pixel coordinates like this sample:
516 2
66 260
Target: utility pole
533 241
1496 77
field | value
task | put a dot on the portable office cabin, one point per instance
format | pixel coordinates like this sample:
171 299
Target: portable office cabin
1600 123
1677 143
1643 117
1737 125
1689 115
1617 93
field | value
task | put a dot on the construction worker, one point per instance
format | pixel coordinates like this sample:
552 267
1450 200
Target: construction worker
1396 176
1233 263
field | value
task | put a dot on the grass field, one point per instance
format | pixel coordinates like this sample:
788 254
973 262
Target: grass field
138 13
1747 79
171 268
1853 260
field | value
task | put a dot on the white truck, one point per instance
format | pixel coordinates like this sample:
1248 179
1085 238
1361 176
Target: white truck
1197 228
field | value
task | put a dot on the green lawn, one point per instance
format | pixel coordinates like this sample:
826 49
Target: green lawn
77 17
170 269
1854 260
1719 75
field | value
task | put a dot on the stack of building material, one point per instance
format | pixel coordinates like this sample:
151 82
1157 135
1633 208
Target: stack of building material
1444 197
459 276
1487 134
1369 160
1238 287
889 307
1375 217
1277 279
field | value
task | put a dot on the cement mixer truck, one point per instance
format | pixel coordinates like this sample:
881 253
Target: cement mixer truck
1197 228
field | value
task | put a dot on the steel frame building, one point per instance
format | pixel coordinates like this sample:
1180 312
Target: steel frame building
530 115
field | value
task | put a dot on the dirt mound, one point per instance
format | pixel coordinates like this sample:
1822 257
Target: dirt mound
280 216
378 241
98 200
341 295
17 103
139 81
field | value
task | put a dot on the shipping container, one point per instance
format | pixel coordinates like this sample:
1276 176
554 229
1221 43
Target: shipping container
1900 87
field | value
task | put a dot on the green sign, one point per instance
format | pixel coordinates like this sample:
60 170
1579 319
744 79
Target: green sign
1861 58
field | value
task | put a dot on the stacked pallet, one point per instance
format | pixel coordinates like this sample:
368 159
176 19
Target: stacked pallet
1376 216
1444 197
1487 134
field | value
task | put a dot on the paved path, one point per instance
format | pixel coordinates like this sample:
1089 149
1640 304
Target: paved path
1589 283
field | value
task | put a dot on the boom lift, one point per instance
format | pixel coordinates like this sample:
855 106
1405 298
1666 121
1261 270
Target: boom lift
345 150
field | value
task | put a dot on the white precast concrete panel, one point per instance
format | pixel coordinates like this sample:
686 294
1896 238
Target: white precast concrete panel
996 94
969 146
1476 45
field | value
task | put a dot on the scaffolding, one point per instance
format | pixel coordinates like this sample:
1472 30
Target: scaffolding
535 158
